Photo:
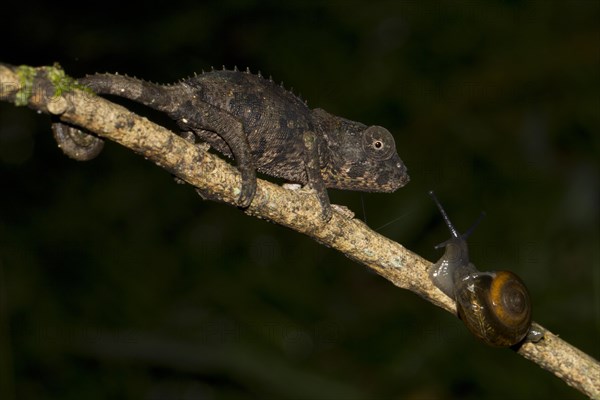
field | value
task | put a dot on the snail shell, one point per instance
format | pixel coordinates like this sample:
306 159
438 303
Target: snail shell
495 306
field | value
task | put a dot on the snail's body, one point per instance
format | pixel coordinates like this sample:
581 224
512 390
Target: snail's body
495 306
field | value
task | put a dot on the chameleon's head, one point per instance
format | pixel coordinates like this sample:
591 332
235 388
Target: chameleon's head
359 157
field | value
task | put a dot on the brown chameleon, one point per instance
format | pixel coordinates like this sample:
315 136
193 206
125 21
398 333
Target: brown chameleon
264 128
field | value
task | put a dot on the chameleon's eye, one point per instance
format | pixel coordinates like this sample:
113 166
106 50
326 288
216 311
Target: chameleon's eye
378 143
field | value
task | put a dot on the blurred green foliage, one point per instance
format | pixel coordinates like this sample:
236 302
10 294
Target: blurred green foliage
115 282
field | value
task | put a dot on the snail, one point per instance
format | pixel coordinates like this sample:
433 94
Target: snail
495 306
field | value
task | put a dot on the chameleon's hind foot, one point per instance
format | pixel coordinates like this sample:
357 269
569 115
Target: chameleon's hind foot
248 189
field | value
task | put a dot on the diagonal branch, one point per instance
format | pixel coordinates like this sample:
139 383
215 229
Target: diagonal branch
47 89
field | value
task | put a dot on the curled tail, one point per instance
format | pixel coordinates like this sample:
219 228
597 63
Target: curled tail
75 143
83 146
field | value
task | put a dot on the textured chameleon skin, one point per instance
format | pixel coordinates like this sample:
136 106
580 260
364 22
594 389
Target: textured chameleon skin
268 129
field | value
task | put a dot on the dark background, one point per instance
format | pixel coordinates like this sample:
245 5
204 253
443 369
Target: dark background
116 282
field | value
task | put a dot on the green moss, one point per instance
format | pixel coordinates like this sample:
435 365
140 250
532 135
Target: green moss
62 83
26 77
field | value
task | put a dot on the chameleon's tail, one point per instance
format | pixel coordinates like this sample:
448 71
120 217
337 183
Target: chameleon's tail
83 146
150 94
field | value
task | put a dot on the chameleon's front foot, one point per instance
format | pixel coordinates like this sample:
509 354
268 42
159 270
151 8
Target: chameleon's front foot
326 211
325 207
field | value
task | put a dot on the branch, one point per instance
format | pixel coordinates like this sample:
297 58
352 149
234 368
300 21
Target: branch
59 95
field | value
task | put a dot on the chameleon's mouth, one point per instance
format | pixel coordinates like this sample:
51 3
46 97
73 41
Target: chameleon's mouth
404 177
391 179
392 187
384 180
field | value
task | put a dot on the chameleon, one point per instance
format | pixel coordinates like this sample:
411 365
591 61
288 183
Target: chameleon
263 127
